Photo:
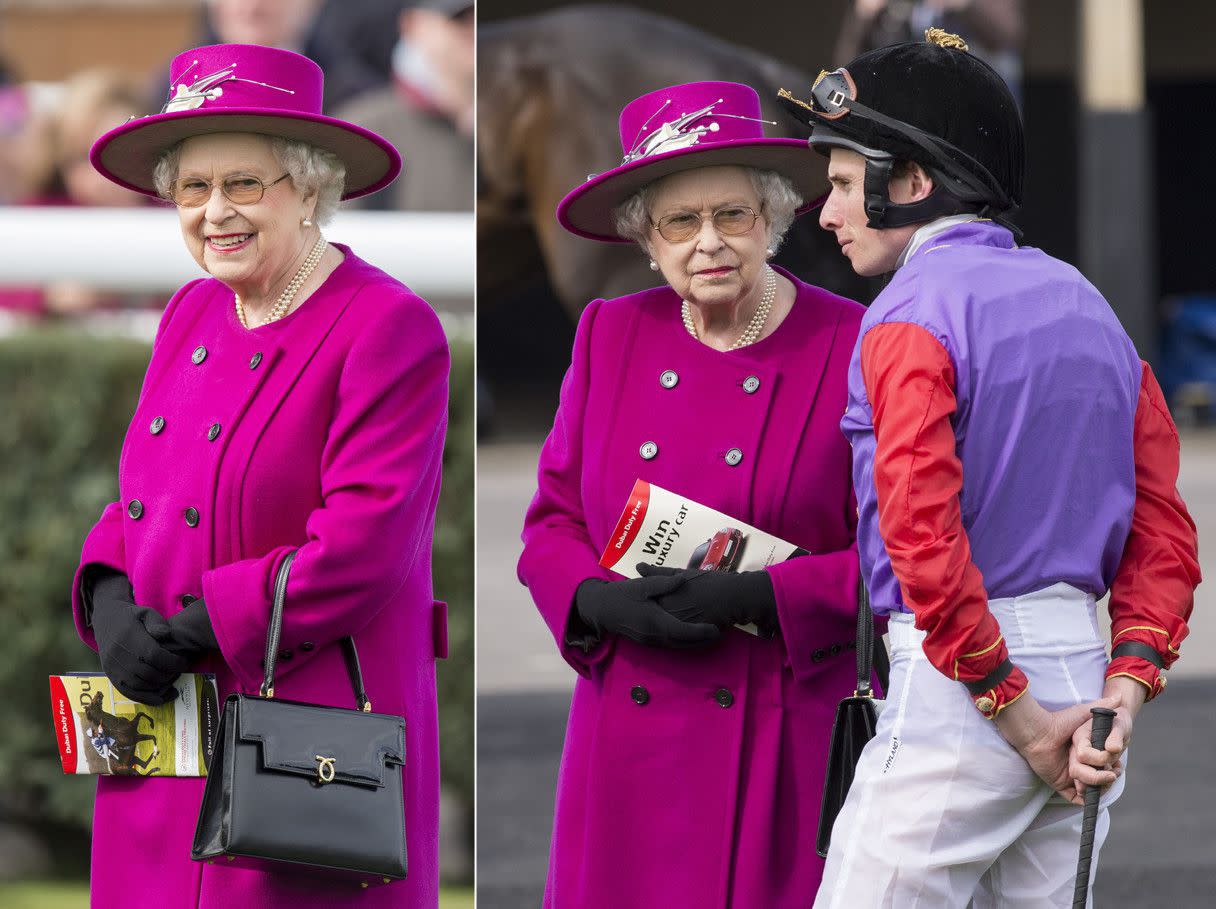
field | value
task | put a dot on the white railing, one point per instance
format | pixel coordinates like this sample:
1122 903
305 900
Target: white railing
142 250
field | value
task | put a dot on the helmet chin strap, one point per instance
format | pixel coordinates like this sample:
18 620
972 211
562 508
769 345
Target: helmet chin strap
882 213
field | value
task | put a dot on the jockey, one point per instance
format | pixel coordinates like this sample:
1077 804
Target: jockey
1014 460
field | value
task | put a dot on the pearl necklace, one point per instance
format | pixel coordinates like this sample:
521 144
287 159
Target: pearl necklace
289 294
759 317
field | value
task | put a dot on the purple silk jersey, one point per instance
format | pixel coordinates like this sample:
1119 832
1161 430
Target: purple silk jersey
1046 381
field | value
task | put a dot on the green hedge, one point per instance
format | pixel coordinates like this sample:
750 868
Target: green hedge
67 400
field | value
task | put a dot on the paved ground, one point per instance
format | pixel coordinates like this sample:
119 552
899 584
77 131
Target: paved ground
1162 851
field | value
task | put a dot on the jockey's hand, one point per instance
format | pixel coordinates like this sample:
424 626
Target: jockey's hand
1044 738
129 642
1088 765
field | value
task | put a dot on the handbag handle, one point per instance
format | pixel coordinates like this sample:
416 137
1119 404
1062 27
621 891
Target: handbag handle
275 630
865 641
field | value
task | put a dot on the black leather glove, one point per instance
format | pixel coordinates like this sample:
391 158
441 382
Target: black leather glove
131 642
193 633
630 608
721 598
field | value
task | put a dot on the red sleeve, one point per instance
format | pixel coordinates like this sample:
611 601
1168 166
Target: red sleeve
1153 590
909 379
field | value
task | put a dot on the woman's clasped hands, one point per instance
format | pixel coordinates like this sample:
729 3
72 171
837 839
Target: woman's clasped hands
670 607
142 652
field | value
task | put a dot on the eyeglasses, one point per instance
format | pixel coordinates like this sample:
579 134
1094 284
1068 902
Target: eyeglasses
239 189
730 221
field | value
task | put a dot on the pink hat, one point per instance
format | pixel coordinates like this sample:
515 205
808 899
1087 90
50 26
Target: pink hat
243 88
699 124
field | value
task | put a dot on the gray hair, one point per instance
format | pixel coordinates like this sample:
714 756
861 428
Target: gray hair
778 203
312 169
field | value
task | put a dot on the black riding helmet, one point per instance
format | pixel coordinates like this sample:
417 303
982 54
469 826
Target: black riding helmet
931 102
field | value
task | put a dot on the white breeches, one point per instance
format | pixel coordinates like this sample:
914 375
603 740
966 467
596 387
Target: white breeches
943 812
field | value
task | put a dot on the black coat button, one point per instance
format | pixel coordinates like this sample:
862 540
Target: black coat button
187 599
818 655
639 694
200 354
214 432
308 646
191 516
835 649
724 697
157 425
255 360
285 654
135 508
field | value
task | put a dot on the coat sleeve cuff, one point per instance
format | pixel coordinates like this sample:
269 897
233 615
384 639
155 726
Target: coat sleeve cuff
239 597
817 609
103 546
553 584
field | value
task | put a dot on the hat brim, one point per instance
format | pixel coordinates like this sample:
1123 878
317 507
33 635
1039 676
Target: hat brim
127 154
587 209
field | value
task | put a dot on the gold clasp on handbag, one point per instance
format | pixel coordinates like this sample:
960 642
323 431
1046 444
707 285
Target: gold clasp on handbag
325 769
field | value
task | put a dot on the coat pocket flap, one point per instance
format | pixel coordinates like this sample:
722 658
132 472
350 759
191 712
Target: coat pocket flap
439 628
327 744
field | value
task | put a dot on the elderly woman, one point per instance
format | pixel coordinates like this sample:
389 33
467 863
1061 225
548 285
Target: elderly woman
295 402
694 759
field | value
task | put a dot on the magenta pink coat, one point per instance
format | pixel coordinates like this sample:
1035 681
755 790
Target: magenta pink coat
707 792
322 432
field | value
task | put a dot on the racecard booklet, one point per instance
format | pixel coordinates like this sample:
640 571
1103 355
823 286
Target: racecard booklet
664 528
100 730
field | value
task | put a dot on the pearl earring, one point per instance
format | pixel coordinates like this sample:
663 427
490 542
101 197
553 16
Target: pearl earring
769 252
307 222
654 266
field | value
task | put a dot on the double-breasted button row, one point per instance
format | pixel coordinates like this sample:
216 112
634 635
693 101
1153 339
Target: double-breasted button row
822 653
158 424
135 508
723 697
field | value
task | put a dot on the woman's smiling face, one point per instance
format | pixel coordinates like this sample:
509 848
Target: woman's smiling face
252 244
709 268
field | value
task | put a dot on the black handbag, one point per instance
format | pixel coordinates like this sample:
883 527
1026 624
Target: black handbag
297 786
856 719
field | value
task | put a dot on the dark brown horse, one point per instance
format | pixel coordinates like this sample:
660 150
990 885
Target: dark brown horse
126 736
550 90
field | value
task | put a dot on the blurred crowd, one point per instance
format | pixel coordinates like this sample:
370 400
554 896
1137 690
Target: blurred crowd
402 68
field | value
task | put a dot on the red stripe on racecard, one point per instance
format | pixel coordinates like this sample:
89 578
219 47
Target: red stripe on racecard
65 725
626 532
